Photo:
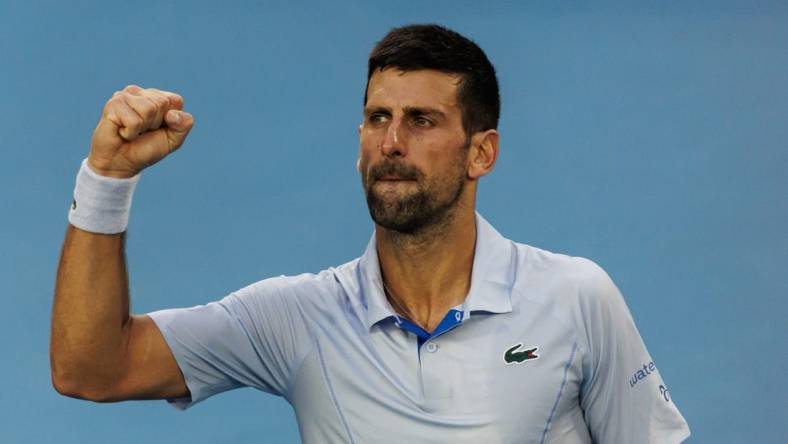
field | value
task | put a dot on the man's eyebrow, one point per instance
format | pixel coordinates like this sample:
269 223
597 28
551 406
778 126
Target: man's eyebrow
375 109
409 110
424 111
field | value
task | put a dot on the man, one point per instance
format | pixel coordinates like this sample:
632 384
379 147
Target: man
441 331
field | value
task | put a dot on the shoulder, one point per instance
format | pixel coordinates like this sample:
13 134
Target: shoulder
573 289
304 292
294 284
561 276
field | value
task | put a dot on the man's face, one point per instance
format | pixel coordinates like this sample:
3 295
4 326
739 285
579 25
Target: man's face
413 149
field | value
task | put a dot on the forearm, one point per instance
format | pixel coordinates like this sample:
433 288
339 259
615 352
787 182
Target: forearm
90 315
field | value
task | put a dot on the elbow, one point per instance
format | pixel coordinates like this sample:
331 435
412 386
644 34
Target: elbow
66 388
78 388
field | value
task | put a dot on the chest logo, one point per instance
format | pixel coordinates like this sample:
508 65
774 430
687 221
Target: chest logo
513 356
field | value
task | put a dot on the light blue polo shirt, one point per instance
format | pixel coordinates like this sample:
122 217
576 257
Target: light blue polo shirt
543 350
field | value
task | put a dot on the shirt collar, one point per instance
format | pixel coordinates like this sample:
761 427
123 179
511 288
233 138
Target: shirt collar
491 277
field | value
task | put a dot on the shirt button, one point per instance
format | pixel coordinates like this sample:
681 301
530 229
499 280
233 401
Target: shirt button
432 347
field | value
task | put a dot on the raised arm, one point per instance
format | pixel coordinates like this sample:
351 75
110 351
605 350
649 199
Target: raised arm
98 351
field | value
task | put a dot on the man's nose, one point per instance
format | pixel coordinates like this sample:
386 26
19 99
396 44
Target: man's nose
393 143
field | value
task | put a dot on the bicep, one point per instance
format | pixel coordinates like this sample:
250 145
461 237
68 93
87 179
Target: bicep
150 370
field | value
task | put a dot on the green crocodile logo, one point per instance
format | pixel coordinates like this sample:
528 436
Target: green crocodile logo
512 356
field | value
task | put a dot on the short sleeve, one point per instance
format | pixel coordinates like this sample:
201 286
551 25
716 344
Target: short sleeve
623 396
254 337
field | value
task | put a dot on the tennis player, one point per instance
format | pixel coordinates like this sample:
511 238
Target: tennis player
441 331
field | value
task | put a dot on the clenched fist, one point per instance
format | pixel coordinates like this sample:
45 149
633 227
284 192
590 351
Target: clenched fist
138 128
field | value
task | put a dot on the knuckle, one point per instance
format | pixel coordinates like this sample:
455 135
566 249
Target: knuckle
160 101
134 123
149 110
117 98
113 103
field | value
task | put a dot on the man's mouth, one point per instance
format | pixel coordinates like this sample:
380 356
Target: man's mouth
393 173
392 178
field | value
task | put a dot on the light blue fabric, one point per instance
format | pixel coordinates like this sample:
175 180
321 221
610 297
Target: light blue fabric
331 345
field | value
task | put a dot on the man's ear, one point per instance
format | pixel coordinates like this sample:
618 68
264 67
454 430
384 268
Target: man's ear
358 161
483 153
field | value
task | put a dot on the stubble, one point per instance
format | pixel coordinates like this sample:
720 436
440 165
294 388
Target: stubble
416 212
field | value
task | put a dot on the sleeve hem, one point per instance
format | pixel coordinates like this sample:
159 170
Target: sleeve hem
184 402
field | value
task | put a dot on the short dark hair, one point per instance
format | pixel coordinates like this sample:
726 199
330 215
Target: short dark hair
432 46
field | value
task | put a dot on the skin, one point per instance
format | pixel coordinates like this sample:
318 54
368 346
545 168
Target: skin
99 351
413 118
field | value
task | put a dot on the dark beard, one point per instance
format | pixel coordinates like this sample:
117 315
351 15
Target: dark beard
411 214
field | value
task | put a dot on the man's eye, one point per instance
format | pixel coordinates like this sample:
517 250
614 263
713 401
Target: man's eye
422 121
377 118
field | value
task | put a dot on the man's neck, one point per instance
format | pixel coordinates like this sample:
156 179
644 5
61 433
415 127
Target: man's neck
429 272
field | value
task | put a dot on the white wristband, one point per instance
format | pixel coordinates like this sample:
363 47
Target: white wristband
101 204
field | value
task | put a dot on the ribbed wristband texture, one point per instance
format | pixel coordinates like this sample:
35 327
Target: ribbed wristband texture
101 204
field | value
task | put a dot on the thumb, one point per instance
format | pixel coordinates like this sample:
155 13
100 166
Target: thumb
179 123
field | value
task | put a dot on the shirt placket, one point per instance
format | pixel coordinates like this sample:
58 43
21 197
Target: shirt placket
435 383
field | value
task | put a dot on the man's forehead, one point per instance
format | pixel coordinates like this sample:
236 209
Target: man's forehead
424 88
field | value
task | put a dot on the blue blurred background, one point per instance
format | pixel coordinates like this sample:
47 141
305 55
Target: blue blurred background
649 138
